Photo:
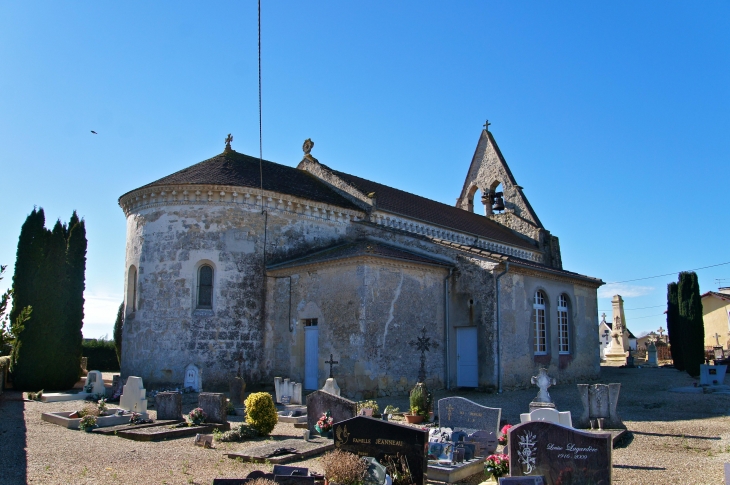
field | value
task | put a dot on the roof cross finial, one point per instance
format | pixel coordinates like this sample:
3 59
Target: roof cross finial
228 140
486 125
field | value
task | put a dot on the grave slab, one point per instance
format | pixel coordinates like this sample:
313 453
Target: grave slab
160 433
457 472
304 449
562 455
366 436
62 419
458 412
64 396
112 430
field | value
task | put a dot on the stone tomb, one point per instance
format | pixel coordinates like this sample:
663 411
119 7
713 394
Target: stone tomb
169 405
712 375
600 401
62 419
561 455
193 378
94 381
458 412
214 405
320 402
366 436
134 396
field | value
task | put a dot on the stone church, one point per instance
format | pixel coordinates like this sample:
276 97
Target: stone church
264 278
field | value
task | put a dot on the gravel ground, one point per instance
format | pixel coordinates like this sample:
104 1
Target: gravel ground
675 438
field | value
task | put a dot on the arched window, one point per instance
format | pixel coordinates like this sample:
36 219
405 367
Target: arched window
563 325
205 287
131 290
540 323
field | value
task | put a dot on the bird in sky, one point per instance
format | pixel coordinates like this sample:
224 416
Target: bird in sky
94 132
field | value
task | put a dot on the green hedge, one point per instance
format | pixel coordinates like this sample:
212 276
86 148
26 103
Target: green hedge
101 354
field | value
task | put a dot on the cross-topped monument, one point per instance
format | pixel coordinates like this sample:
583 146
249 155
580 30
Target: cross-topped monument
486 125
423 345
661 332
331 362
717 339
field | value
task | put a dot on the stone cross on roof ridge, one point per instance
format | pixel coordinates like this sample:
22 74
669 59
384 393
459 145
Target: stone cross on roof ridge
486 125
228 141
331 362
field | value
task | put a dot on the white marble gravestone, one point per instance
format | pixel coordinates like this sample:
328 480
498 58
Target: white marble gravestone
331 386
96 381
548 414
287 387
712 375
193 378
134 396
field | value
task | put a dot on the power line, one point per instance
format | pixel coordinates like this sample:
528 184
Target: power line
646 316
668 274
642 308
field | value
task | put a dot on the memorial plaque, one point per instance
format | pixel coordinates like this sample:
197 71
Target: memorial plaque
319 402
458 412
377 438
561 455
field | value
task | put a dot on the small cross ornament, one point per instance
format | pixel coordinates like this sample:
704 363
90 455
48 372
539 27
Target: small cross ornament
423 345
331 362
486 125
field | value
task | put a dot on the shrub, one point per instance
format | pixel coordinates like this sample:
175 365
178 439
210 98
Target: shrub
421 400
102 355
371 404
241 433
261 412
88 421
344 468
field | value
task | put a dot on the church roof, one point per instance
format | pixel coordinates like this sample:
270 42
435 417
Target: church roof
357 249
427 210
239 170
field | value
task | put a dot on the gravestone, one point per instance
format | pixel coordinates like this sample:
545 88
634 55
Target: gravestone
193 378
319 402
521 480
562 455
204 440
600 401
458 412
95 381
543 381
712 375
236 387
168 405
487 441
331 387
651 359
379 439
215 405
134 396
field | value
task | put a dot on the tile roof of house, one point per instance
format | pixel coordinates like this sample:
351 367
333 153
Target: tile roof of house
722 296
355 249
239 170
427 210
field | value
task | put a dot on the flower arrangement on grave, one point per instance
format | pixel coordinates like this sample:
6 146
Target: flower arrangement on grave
101 405
261 412
344 468
196 416
390 409
87 423
324 423
369 404
496 465
504 438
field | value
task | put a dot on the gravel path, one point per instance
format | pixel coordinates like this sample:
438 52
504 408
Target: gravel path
676 438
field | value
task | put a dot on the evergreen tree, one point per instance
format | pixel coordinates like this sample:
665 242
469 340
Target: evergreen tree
691 322
118 326
673 327
75 275
29 258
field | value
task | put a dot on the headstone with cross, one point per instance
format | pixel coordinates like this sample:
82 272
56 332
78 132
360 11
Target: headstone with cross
661 332
717 339
331 362
423 345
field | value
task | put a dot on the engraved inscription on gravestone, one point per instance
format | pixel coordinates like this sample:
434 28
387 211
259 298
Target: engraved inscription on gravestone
562 455
379 439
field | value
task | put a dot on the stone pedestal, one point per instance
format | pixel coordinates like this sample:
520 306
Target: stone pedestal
215 405
168 405
236 387
331 386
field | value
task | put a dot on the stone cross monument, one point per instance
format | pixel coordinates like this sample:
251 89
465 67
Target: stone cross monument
615 354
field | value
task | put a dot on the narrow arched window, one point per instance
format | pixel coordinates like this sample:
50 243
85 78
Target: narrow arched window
132 290
539 323
205 287
563 325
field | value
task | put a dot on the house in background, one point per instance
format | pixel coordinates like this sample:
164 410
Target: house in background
716 315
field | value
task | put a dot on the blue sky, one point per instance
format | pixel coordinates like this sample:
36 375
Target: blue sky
612 115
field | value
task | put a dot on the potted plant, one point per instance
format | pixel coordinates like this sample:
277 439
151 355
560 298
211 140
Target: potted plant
324 425
101 405
196 417
343 468
420 401
87 423
496 466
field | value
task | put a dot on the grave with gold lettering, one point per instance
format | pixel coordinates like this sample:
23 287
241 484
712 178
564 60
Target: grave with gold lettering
367 436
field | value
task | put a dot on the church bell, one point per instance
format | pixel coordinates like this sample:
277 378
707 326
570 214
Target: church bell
498 202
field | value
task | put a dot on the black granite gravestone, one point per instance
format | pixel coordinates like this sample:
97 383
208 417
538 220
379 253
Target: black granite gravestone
461 413
521 481
366 436
319 402
562 455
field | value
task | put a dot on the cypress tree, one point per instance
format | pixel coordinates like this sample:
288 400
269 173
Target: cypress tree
29 258
118 326
673 327
75 276
691 322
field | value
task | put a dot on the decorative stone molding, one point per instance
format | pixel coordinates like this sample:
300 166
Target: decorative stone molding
246 197
354 261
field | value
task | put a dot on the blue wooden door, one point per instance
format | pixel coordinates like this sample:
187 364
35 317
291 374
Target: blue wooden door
311 356
467 369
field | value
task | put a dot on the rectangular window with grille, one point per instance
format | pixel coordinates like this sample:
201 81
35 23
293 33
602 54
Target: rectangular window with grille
540 331
310 322
563 326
